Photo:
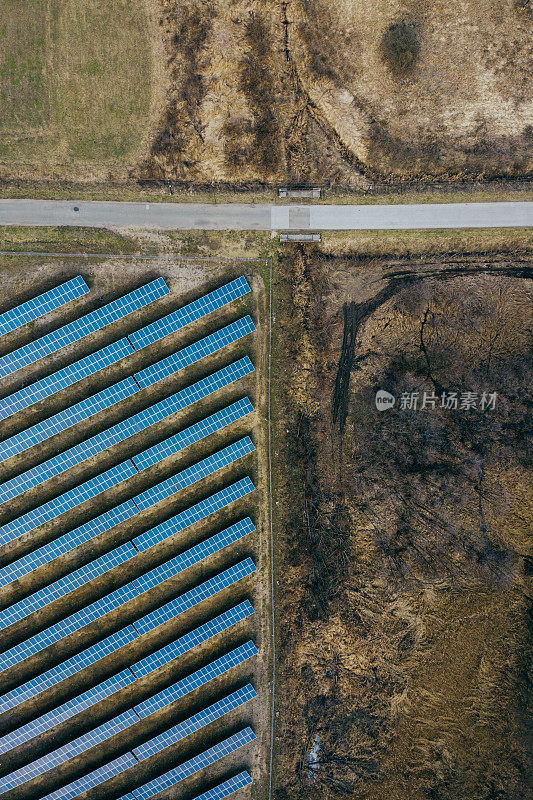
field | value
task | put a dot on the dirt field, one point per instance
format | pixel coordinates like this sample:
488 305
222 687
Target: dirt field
76 87
187 280
403 560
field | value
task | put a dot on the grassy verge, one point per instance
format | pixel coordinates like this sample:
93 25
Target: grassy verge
64 240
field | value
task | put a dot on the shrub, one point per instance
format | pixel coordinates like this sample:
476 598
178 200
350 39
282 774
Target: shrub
400 47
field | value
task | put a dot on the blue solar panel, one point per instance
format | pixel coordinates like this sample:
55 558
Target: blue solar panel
79 328
71 749
67 584
195 764
223 790
63 420
65 377
101 442
193 434
199 678
48 552
41 305
67 668
66 710
193 638
67 501
194 596
196 472
189 313
195 352
67 626
94 778
195 513
195 723
194 555
60 672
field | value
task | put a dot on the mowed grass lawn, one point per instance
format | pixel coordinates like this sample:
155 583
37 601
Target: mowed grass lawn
75 86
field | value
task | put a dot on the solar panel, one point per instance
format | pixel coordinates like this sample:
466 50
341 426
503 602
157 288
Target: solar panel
67 668
194 596
66 710
195 513
66 584
189 313
63 420
193 474
193 434
48 552
223 790
193 638
199 678
67 626
71 749
79 328
65 377
195 352
94 778
67 501
101 442
43 304
195 764
194 555
195 723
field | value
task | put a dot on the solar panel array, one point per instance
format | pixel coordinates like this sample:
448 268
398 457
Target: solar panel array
82 327
195 764
193 638
194 513
66 710
193 434
69 581
67 584
63 378
43 304
195 596
194 555
101 442
51 550
199 678
196 472
66 419
67 501
189 313
71 749
71 666
195 723
67 626
195 351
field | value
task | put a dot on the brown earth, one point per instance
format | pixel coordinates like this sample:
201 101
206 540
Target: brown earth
404 553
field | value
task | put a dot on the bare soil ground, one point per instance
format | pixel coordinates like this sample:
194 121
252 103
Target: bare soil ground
187 279
404 553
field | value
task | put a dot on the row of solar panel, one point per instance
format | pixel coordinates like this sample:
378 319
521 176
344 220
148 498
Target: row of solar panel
111 644
116 557
43 304
119 597
91 364
87 408
115 516
80 328
101 442
171 778
155 703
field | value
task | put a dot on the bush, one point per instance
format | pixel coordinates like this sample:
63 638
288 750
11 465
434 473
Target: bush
400 47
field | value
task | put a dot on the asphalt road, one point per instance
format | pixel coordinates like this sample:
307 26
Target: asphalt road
263 217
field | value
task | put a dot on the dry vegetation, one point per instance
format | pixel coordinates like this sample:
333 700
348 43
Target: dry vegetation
404 566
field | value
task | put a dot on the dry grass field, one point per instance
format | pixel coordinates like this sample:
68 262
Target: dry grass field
404 547
75 87
253 93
